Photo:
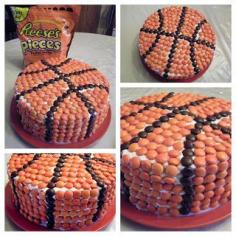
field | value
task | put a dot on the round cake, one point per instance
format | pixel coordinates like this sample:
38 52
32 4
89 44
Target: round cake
62 191
176 153
177 44
61 101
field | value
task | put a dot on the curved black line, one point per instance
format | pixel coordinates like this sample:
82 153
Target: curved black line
161 23
50 192
175 42
149 129
187 160
80 72
39 86
91 111
205 43
14 174
192 49
180 36
50 114
104 161
224 130
52 81
149 105
159 104
102 192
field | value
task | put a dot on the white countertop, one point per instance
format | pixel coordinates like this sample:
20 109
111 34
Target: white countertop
94 49
132 19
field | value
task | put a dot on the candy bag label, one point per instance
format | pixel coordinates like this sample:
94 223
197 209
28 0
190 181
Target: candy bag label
20 13
45 31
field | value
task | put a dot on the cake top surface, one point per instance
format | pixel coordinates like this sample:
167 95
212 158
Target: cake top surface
177 43
68 174
47 73
152 124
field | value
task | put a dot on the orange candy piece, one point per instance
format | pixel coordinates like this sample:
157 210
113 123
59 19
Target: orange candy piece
157 169
68 195
171 170
60 195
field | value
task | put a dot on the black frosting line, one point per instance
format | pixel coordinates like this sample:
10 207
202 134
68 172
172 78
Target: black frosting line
50 114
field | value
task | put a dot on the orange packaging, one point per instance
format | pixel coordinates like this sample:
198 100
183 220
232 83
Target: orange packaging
45 30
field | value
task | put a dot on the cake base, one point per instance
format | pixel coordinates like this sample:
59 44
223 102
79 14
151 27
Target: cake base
174 223
36 142
27 225
161 79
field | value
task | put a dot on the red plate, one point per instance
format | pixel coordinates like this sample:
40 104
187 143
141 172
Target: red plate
27 225
35 142
174 223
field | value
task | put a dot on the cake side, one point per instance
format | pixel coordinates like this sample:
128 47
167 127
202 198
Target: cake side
61 101
176 153
62 191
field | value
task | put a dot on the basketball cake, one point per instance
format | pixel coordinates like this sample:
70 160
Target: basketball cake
176 44
176 153
62 191
61 100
